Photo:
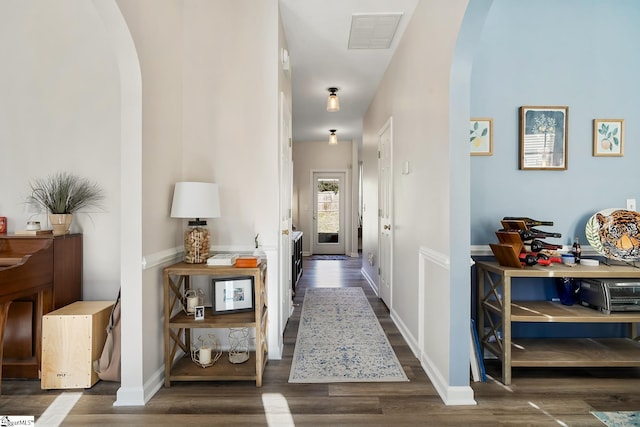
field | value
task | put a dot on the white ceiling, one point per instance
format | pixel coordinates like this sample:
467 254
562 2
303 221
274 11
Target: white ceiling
317 33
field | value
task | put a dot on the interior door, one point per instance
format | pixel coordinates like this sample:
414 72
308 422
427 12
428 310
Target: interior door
286 189
328 212
385 220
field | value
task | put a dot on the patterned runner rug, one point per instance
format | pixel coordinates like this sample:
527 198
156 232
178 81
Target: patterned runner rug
619 419
341 340
328 257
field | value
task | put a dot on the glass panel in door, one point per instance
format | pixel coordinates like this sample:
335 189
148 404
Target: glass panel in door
328 213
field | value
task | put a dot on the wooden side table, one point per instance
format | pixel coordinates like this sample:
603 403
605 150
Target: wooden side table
499 311
178 325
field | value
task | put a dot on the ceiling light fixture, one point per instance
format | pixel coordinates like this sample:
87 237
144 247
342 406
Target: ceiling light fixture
333 103
333 138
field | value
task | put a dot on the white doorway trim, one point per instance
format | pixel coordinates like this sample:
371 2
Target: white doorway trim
385 213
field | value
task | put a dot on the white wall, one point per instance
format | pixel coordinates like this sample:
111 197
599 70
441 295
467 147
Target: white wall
207 101
210 112
319 156
230 113
430 218
60 111
153 25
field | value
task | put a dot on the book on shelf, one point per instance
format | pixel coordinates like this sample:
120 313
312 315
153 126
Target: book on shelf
33 232
222 259
248 261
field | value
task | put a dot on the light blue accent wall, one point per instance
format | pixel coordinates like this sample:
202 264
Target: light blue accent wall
577 53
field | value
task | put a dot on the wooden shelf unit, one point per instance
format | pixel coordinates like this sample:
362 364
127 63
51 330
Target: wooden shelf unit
178 326
495 306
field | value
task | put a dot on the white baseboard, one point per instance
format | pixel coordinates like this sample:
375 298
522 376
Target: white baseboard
450 395
136 396
372 283
404 331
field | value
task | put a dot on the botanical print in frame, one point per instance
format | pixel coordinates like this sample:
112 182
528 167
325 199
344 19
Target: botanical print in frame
543 138
608 137
481 136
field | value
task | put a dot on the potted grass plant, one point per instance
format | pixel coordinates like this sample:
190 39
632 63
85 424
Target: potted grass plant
63 194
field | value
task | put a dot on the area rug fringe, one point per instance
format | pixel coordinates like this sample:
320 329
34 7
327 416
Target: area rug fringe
340 340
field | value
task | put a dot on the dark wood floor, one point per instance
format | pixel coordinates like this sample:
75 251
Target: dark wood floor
536 397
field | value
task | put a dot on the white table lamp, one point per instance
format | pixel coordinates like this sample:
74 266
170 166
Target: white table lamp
196 200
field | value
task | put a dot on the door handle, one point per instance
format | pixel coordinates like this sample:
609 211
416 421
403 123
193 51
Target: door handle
285 232
387 227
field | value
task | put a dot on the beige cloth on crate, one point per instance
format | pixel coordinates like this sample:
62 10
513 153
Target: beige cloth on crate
108 365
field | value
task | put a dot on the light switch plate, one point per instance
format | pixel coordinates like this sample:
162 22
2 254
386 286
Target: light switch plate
631 204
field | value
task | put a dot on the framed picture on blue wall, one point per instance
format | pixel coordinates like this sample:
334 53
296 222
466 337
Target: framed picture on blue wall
608 137
543 138
481 136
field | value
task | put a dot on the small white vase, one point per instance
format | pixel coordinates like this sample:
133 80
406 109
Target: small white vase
60 223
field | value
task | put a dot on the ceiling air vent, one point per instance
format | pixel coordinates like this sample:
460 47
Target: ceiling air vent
373 31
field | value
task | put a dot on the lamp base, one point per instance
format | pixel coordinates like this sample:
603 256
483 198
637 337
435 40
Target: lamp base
197 241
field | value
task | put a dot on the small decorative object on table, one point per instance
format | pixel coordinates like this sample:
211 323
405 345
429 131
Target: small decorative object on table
3 224
576 250
238 345
247 261
206 352
615 234
63 194
520 245
222 259
192 298
33 225
196 200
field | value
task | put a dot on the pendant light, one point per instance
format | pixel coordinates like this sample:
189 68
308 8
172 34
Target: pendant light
333 103
333 138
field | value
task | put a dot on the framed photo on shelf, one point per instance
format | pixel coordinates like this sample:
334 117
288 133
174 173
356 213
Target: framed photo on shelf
543 138
232 294
481 136
608 137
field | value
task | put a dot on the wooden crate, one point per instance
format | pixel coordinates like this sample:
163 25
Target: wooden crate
72 338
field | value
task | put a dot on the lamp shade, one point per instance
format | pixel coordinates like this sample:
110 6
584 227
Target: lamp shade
195 200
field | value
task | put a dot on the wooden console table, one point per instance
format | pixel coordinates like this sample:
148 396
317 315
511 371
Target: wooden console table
496 308
178 325
296 259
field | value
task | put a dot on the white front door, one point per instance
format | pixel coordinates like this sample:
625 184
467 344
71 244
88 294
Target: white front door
328 212
385 220
286 188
